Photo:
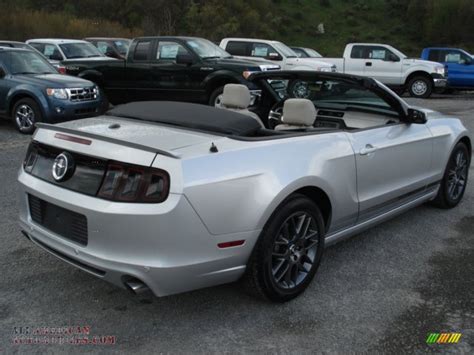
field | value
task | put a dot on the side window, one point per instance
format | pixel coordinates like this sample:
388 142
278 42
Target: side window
457 57
358 52
378 53
434 55
300 53
168 51
263 50
238 48
50 51
141 51
453 57
102 46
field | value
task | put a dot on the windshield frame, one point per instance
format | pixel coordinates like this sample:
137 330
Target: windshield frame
219 52
398 105
38 56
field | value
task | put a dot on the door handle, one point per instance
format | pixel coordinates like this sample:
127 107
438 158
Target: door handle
368 64
369 148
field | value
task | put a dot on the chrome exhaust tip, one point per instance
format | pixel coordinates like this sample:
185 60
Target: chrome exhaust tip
136 286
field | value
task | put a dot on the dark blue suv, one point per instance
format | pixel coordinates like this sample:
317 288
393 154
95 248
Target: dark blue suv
31 90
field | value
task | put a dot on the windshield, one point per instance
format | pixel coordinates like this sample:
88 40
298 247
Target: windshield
26 62
331 93
79 50
122 46
285 50
207 49
312 53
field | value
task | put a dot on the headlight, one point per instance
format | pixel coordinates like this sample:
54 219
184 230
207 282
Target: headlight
60 94
325 69
440 70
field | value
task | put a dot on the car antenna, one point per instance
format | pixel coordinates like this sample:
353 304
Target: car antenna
213 148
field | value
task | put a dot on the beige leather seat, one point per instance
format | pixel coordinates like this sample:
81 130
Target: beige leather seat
298 114
236 97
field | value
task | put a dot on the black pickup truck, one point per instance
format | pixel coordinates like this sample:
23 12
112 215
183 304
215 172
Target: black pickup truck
168 68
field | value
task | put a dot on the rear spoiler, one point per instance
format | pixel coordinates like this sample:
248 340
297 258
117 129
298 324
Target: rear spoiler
56 128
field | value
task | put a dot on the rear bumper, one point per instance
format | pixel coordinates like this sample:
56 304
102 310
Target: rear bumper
166 246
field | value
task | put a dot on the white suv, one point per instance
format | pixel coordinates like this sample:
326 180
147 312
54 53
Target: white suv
62 50
261 49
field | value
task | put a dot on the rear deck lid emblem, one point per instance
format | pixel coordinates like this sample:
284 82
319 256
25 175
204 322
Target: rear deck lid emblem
63 166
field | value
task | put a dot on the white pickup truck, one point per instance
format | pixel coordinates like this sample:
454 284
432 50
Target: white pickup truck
280 53
391 67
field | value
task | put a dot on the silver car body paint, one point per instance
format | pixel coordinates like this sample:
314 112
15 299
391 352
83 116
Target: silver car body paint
230 195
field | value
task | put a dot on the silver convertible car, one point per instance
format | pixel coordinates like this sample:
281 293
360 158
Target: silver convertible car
172 197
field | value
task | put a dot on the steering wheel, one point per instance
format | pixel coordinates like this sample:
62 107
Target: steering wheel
275 114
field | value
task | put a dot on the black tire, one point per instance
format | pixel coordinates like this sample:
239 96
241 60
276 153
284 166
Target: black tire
25 114
266 276
455 178
215 96
420 87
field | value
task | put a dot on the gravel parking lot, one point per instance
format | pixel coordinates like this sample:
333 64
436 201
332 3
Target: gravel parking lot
383 290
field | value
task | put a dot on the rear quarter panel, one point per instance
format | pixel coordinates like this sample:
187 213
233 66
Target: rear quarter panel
239 188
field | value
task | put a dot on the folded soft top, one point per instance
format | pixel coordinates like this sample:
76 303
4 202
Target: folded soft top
194 116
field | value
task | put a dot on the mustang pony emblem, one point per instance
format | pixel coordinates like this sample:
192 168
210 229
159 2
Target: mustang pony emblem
63 166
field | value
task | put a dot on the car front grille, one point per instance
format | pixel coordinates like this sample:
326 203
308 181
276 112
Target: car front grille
82 94
67 224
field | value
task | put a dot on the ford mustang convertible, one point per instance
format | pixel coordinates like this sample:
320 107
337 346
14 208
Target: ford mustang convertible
172 197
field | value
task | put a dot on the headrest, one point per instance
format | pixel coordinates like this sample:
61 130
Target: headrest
236 96
298 112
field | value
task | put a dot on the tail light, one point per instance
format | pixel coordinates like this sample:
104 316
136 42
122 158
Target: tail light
61 69
132 183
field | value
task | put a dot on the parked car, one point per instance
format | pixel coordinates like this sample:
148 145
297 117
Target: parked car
177 196
31 91
168 68
279 53
61 51
303 52
460 65
13 44
391 67
111 47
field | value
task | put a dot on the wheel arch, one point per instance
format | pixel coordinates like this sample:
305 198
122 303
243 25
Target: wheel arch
467 141
218 81
418 73
92 75
23 95
316 194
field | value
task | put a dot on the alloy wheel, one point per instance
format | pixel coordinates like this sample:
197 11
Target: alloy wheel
294 250
24 117
457 175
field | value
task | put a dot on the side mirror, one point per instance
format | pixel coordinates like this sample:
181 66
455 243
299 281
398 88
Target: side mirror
184 59
2 73
416 116
393 58
274 56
